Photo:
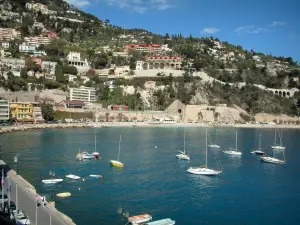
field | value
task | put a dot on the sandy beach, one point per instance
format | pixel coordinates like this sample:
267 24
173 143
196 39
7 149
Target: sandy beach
24 127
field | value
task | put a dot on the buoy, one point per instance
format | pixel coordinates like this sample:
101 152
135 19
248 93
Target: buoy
83 179
79 189
155 146
100 176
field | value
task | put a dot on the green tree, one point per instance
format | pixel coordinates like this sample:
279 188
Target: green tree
59 74
47 112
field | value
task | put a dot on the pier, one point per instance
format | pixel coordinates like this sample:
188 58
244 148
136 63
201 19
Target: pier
24 195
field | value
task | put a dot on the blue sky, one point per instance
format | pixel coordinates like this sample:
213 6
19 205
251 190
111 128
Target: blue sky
268 26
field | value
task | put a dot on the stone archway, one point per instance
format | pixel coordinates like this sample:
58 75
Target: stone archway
156 65
288 94
145 66
167 65
280 93
283 94
276 92
151 66
172 65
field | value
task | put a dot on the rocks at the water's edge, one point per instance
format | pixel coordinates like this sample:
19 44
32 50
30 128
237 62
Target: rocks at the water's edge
41 126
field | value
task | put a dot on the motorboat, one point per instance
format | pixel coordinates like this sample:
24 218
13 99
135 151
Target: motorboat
162 121
166 221
63 194
86 155
140 219
232 151
204 170
214 146
95 154
21 217
74 177
52 181
183 155
257 152
278 147
117 163
95 176
272 160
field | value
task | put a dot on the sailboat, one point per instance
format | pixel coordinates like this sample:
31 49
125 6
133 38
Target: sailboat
272 159
183 155
258 151
95 153
204 170
117 163
214 146
232 151
275 146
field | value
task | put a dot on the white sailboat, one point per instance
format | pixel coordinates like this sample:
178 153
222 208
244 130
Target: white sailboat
232 151
95 153
204 170
117 163
183 155
215 146
258 151
52 181
276 146
272 159
73 177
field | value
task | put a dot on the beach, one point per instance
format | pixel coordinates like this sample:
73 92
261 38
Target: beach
24 127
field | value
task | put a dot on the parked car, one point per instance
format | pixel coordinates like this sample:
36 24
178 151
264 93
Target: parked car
20 217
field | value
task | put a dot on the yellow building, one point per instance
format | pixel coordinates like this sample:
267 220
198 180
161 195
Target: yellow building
21 111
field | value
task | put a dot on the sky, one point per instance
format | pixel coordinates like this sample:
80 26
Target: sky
267 26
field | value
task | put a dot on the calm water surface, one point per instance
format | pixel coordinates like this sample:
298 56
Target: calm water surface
153 181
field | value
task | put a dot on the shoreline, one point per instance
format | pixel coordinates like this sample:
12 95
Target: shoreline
25 127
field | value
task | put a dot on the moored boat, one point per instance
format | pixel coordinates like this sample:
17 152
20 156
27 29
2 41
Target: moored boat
117 163
63 194
74 177
272 160
166 221
232 151
52 181
140 219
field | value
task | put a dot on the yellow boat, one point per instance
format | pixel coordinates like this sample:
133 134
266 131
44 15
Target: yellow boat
63 194
117 163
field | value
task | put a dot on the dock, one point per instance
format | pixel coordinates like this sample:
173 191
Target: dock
23 194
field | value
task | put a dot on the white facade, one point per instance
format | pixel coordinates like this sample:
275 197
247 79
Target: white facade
12 62
74 59
122 70
85 94
37 40
5 45
4 110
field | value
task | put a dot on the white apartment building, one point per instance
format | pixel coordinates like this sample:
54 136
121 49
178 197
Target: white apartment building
13 63
85 94
8 34
4 110
37 40
74 59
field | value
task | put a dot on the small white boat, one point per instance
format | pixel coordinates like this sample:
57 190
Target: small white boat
183 155
257 152
63 194
204 170
95 176
167 221
214 146
86 155
95 154
272 160
52 181
276 146
232 151
74 177
140 219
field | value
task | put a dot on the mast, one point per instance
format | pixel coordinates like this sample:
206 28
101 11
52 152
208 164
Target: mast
206 149
259 142
184 142
95 143
236 141
119 147
275 138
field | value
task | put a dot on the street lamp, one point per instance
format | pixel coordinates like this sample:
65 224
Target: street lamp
16 161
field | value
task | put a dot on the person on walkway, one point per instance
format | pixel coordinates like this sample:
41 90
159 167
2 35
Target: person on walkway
37 201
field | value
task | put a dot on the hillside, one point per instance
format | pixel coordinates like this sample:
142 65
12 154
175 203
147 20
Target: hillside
98 41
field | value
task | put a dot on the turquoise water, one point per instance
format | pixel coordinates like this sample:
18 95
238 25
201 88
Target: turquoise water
153 181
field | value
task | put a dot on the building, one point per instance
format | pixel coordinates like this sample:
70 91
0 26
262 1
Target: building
4 110
85 94
49 66
13 63
160 62
21 111
5 45
37 40
149 48
8 34
74 59
37 114
30 49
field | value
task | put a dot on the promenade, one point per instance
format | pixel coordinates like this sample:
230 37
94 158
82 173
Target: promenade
24 196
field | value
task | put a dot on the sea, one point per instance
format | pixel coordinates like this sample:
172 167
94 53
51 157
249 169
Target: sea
154 181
